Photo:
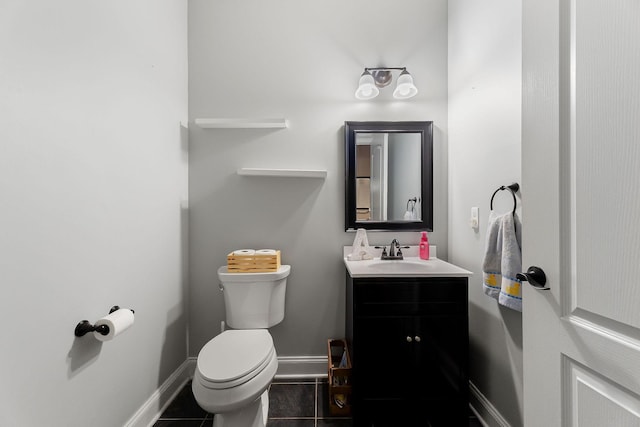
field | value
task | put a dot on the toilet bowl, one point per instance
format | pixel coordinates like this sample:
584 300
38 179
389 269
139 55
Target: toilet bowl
235 369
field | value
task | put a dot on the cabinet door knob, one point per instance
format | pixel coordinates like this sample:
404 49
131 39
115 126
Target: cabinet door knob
417 338
409 339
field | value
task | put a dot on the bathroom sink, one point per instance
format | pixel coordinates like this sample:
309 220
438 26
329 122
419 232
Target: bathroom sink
399 265
405 267
408 267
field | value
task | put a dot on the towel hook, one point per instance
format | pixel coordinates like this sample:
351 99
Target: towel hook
513 188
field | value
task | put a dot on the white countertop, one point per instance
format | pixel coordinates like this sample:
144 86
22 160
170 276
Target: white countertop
410 266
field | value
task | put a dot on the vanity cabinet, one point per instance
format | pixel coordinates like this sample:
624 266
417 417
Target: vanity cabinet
408 339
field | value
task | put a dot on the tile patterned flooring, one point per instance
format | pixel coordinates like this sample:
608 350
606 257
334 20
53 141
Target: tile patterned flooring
292 403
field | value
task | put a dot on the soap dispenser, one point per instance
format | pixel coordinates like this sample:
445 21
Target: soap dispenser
424 246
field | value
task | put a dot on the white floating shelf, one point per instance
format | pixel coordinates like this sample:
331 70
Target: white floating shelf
298 173
242 123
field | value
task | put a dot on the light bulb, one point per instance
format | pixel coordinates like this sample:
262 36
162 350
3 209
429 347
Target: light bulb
405 87
366 87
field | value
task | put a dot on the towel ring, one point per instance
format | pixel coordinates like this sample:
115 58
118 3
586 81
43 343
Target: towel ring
513 188
413 205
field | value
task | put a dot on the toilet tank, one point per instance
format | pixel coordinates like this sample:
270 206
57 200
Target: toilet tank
254 300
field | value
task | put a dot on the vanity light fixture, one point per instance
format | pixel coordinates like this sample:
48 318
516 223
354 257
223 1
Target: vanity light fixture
379 77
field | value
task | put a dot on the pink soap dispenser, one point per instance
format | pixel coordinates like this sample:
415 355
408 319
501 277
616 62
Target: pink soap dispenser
424 246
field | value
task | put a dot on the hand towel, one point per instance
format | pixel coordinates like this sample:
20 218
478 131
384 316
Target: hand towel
511 262
503 260
411 213
492 261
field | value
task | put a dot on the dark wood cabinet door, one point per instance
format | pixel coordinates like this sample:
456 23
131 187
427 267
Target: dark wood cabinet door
385 361
440 357
409 344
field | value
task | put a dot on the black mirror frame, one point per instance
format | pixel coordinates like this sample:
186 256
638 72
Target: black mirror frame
426 131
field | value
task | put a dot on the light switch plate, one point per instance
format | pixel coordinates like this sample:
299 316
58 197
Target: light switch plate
474 222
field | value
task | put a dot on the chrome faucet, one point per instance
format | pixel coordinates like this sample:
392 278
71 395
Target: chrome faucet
394 251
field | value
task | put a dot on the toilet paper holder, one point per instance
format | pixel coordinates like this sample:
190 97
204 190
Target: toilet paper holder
84 327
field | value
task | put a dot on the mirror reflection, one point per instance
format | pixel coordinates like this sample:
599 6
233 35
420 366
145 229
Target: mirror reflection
389 175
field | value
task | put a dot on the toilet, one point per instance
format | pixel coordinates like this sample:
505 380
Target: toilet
234 369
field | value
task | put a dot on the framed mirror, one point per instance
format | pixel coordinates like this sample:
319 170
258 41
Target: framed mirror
389 176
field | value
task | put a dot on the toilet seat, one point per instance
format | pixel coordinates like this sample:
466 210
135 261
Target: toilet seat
234 357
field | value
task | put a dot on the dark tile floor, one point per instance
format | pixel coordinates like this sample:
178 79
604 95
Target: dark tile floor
292 403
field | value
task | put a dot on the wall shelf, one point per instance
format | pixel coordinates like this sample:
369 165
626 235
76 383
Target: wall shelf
293 173
242 123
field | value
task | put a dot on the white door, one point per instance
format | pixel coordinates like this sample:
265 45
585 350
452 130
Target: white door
379 182
581 212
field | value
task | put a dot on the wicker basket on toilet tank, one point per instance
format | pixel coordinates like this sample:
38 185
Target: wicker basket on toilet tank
253 263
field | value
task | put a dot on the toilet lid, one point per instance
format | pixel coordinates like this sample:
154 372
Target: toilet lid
235 355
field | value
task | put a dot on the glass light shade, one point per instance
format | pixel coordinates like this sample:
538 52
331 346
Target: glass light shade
405 87
367 87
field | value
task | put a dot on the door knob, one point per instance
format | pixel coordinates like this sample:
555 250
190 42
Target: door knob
535 276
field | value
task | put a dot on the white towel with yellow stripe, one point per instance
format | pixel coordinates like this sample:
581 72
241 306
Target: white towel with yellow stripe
503 260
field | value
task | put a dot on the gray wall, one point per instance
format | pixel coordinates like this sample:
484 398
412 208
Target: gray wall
301 61
485 80
92 173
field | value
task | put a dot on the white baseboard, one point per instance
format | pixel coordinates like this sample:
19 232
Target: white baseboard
150 411
301 367
487 414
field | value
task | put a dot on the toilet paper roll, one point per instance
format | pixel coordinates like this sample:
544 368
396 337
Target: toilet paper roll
117 322
266 252
244 252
